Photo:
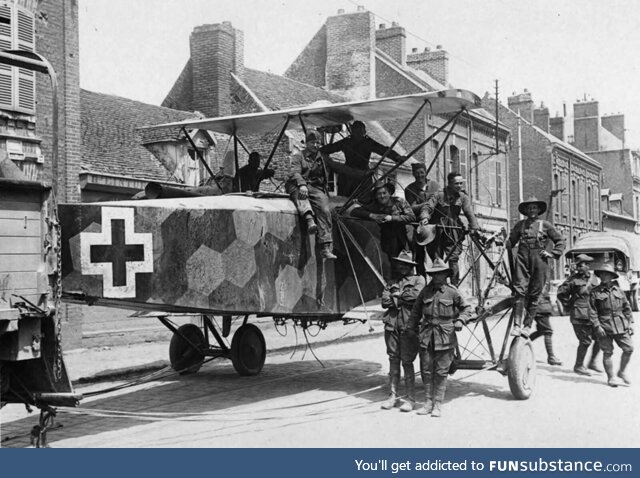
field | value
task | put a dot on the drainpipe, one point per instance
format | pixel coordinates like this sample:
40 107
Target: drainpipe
520 181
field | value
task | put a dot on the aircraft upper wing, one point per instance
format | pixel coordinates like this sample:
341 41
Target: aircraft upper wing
397 107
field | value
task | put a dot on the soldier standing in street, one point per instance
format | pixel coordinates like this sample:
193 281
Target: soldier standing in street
398 298
538 241
438 313
610 315
573 294
443 210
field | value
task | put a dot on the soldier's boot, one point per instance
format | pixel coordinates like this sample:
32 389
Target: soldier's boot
548 344
312 228
622 372
428 397
410 384
612 380
394 381
518 311
438 395
579 367
593 363
327 251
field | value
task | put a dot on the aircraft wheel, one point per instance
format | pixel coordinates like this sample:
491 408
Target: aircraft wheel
522 368
183 357
248 350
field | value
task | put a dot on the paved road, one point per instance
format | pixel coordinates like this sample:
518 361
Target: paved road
296 402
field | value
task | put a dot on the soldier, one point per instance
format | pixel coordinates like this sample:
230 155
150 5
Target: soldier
417 193
538 241
307 187
611 317
248 177
402 343
573 294
543 325
443 210
439 311
394 216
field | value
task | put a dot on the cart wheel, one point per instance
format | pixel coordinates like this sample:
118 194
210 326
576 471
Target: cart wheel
522 368
248 350
183 357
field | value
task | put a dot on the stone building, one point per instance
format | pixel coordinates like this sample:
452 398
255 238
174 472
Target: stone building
542 165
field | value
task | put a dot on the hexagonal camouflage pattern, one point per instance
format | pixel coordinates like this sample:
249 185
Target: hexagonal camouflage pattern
220 254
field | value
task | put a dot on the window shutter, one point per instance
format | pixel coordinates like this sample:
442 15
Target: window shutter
6 72
498 182
26 79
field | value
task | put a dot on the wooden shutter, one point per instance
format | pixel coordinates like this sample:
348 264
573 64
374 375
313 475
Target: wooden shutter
6 72
26 84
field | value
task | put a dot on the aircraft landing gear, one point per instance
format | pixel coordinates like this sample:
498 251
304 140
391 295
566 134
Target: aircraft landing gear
522 368
248 350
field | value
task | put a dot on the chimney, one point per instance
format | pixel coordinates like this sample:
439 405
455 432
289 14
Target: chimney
556 127
541 118
216 50
350 55
434 63
392 41
615 125
586 125
522 104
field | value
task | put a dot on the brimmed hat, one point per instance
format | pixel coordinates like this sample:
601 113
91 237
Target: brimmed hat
416 166
384 183
425 234
405 257
580 258
438 266
607 267
522 207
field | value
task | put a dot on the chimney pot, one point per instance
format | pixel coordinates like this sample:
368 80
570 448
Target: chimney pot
427 49
360 8
395 24
340 11
438 47
526 90
382 26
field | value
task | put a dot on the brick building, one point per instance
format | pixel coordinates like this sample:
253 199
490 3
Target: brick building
542 165
603 138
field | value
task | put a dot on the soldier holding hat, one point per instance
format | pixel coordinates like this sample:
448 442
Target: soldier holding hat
573 294
417 193
538 241
610 315
394 216
357 149
438 313
307 187
443 210
402 343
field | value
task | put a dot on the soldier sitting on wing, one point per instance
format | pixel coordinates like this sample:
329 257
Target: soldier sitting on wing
573 294
394 216
307 187
610 315
248 177
438 313
398 298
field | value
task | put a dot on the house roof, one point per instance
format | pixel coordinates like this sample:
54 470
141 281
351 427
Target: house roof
278 92
110 141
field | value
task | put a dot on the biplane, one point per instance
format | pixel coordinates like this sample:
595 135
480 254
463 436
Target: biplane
247 254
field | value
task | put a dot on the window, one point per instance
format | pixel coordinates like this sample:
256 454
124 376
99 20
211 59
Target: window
463 166
454 159
17 85
498 182
581 199
574 195
556 186
475 174
589 204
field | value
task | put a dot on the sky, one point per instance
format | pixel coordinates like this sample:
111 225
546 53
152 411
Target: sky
559 50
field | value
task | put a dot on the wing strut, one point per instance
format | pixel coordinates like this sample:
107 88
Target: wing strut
273 151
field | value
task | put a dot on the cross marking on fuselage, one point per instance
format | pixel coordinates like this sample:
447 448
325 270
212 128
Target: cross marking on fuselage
118 252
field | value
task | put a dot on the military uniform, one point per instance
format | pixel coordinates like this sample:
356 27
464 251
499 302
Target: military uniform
543 325
307 168
610 315
573 294
531 269
417 196
395 234
398 298
443 209
437 311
